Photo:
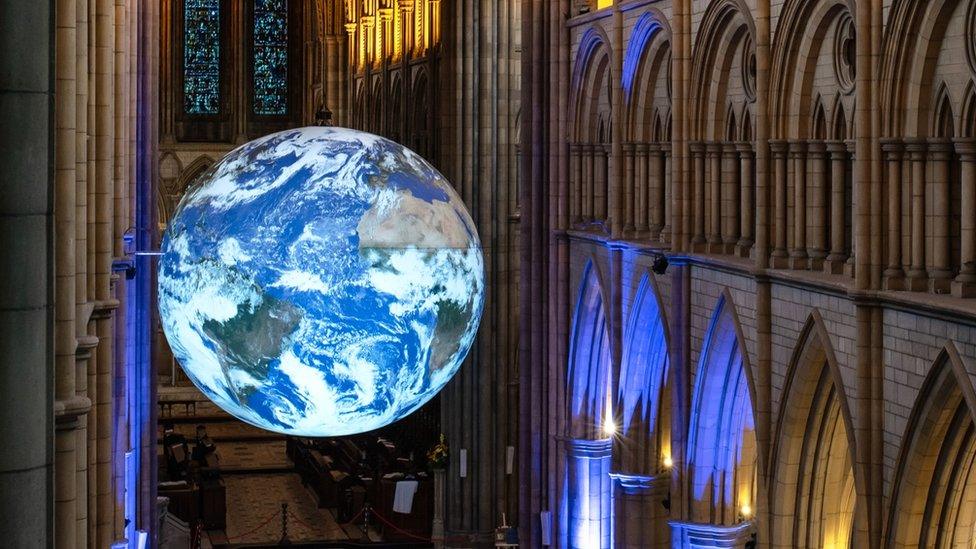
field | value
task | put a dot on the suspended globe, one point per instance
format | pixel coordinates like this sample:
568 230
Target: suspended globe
321 282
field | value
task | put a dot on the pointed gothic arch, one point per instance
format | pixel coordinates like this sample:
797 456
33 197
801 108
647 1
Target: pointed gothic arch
812 468
809 59
588 451
915 34
725 41
723 459
933 501
646 74
643 396
589 369
591 98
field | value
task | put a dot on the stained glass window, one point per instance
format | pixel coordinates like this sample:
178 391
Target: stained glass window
201 56
270 69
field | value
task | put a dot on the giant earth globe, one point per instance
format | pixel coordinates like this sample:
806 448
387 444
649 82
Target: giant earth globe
321 282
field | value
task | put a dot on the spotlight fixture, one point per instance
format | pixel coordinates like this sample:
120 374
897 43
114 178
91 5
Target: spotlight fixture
751 544
660 264
609 427
668 462
745 512
666 502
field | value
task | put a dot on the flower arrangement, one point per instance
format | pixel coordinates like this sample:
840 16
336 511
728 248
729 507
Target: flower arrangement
437 456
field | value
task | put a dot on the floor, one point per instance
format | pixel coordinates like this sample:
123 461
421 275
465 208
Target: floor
258 478
254 507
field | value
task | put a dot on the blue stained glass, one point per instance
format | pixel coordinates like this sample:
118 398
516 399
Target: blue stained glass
201 56
270 39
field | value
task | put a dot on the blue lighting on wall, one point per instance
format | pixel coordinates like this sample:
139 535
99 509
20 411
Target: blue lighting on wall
645 29
643 370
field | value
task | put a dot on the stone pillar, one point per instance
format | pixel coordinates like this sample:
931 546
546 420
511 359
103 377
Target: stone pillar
731 196
917 277
690 535
601 181
406 27
894 275
644 177
938 258
667 191
437 521
817 222
640 515
385 33
629 184
69 407
837 258
798 254
576 197
714 153
26 281
589 178
747 188
698 163
777 149
367 24
965 284
589 493
355 55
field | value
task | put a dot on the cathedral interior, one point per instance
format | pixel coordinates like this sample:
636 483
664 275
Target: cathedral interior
729 255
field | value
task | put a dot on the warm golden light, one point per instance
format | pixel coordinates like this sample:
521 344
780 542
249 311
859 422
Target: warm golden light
668 462
407 29
600 4
746 511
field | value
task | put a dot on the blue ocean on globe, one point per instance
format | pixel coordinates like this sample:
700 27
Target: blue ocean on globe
321 282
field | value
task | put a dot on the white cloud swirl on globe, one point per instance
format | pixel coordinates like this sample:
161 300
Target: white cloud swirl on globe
321 282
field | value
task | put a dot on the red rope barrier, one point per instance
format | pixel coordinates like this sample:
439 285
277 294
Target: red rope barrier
455 539
398 529
262 525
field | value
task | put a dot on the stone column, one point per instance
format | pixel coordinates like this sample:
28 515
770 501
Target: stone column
798 254
589 180
69 407
645 204
406 27
589 493
894 275
965 284
747 188
629 186
837 258
667 191
714 153
576 197
367 24
26 281
601 181
731 196
355 55
385 33
917 277
777 149
698 162
817 222
638 509
938 258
